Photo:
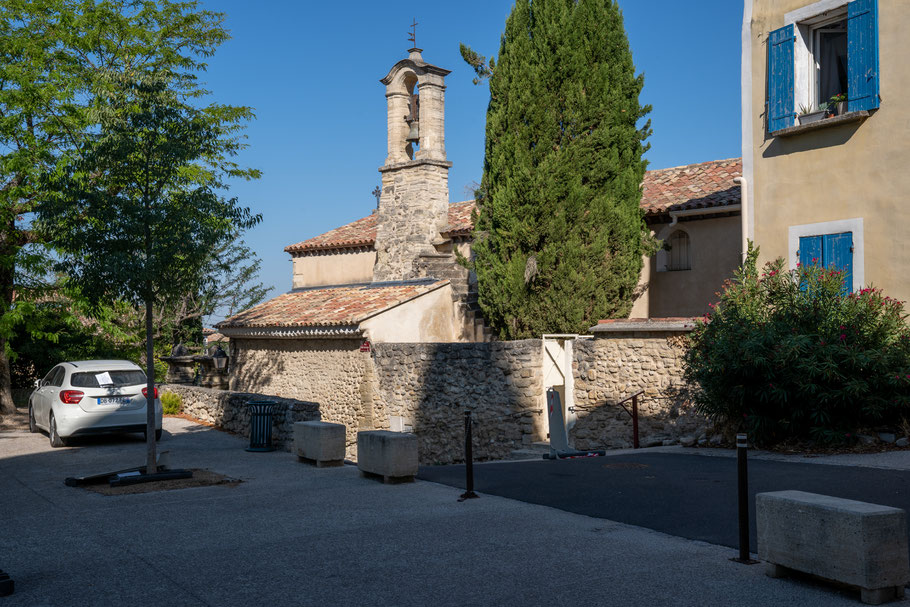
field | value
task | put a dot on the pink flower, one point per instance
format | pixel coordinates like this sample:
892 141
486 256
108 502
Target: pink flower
843 337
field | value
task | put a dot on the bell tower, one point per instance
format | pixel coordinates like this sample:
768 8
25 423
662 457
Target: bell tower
414 202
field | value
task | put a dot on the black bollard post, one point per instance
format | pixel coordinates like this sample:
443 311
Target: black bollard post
742 477
468 460
7 586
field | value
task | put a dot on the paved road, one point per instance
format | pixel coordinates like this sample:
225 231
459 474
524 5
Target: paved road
291 534
691 496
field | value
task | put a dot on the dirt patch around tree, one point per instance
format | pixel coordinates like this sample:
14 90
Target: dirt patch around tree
201 478
15 422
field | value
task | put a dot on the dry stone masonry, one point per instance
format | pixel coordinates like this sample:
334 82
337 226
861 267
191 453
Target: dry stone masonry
428 387
331 372
619 363
228 410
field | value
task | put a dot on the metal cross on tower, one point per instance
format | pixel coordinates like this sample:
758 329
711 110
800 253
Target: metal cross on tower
377 193
412 35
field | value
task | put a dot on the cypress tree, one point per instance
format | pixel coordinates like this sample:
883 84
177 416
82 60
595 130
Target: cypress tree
559 234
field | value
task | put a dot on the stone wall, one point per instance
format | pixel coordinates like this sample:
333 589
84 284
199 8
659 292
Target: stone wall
413 210
614 366
331 372
228 410
428 387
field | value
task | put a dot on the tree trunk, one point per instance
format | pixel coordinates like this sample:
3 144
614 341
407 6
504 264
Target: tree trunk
7 406
6 302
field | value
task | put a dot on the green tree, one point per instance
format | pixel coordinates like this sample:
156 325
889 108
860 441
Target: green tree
52 54
559 235
136 209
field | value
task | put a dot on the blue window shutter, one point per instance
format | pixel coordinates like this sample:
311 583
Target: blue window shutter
838 252
862 55
811 251
780 79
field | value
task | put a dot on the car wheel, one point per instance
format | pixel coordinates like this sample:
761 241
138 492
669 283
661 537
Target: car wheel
56 440
32 426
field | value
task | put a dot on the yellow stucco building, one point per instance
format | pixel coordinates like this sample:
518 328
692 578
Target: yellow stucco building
825 153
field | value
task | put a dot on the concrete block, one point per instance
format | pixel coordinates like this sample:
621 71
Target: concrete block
855 543
391 455
320 442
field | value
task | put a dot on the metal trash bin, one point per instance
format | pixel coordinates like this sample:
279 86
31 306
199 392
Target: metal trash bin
261 425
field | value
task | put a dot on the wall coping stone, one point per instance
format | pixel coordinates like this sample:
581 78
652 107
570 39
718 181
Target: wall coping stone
643 325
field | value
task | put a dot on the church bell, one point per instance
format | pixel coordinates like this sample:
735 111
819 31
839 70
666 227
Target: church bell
413 131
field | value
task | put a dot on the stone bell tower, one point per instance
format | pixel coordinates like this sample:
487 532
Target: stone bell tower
413 206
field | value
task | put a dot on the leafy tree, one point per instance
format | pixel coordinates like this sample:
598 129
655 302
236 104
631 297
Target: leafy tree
559 235
786 354
136 209
58 327
52 54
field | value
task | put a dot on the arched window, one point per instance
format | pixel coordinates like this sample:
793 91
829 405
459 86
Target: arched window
678 254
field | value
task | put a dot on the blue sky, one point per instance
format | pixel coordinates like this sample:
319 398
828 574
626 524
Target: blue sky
311 71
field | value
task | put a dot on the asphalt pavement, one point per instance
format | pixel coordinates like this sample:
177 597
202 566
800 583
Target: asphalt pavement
292 534
675 492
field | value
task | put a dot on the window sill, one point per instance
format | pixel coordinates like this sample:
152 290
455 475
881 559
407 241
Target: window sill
798 129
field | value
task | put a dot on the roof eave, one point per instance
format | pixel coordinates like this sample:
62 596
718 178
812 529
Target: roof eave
294 332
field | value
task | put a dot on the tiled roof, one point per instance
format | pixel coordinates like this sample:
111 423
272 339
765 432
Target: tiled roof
355 234
363 231
695 186
330 306
460 223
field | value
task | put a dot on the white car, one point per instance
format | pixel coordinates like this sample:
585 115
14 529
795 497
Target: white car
91 397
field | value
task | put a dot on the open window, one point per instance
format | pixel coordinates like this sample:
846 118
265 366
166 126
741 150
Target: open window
828 59
826 50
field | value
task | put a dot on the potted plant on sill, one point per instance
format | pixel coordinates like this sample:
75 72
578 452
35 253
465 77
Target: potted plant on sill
807 115
839 103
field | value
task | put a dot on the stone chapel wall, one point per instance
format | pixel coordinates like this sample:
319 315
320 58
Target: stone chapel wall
330 372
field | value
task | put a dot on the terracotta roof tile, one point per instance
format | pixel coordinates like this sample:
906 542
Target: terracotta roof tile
330 306
355 234
694 186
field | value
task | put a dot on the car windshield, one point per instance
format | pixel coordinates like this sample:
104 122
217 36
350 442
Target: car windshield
104 379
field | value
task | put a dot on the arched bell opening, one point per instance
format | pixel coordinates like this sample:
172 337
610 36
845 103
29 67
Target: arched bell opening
412 118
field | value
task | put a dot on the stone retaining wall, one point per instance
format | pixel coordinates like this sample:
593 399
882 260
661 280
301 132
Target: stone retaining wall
228 410
428 387
616 365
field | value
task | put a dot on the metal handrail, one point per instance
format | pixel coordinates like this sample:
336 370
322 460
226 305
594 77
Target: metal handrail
633 413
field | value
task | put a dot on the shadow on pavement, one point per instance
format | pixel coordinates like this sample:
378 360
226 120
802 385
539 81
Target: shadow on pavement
691 496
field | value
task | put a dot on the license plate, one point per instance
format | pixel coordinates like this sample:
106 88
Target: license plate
114 400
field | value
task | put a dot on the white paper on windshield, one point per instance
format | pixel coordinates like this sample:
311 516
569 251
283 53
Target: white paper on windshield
104 378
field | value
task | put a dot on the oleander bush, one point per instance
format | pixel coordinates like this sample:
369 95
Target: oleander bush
785 354
171 403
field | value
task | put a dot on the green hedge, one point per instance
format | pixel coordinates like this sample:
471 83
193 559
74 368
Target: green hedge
785 354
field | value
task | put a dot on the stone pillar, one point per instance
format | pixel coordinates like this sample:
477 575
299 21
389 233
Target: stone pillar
432 119
397 103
